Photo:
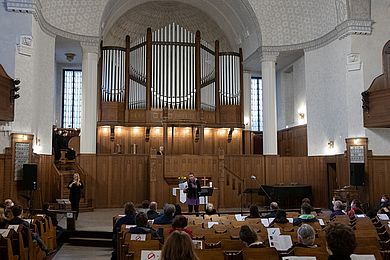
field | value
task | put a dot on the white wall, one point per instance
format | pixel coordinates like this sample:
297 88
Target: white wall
291 94
327 117
370 50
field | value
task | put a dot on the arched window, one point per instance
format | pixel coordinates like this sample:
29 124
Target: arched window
256 104
71 109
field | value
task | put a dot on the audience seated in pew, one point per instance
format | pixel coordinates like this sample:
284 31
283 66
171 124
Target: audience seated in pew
210 210
356 208
338 209
249 237
273 206
128 219
253 212
141 222
340 241
167 217
17 212
280 217
144 206
306 236
178 246
177 210
180 223
306 215
152 212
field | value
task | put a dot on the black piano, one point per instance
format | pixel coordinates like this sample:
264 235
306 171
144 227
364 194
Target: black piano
287 196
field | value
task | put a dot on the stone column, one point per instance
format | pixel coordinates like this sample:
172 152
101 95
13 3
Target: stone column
270 141
89 99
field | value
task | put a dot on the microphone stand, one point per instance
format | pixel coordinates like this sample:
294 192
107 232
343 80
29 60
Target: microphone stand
265 192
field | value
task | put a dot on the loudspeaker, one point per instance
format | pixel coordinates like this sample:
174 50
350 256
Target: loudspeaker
30 181
356 174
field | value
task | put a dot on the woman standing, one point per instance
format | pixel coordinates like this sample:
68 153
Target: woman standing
75 188
192 191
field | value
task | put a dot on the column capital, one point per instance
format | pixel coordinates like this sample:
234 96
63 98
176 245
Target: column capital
89 47
269 56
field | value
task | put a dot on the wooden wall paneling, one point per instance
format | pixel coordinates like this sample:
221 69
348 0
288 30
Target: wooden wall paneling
271 167
379 178
317 178
90 163
46 181
103 167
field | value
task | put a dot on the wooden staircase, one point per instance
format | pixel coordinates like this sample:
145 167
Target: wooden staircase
65 171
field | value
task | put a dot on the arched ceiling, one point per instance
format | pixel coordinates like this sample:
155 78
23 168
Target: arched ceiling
159 14
232 19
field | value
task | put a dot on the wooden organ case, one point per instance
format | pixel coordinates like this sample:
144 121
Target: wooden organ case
170 89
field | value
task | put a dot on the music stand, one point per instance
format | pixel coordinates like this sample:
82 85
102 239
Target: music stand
205 192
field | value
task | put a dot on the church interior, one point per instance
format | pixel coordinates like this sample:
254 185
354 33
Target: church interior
260 100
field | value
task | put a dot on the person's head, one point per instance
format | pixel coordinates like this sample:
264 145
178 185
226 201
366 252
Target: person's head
141 220
385 198
178 246
191 176
340 239
8 203
306 208
153 206
254 210
306 235
145 204
177 209
335 197
273 206
306 200
338 205
129 208
179 221
280 216
209 207
248 235
17 210
169 210
76 177
355 204
161 148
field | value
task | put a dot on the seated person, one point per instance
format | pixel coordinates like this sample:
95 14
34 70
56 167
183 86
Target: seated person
17 212
128 219
144 206
53 217
152 212
306 216
273 207
177 209
178 246
306 236
8 204
280 217
253 212
340 241
355 208
210 210
249 237
180 223
384 205
141 222
167 217
338 209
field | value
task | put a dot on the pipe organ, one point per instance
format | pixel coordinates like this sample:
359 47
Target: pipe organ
171 78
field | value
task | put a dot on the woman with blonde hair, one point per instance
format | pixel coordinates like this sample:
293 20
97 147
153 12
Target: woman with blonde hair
178 246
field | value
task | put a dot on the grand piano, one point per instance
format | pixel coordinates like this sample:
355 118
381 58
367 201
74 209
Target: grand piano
287 196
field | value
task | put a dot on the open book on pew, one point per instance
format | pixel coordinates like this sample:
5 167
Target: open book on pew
4 232
299 258
278 241
362 257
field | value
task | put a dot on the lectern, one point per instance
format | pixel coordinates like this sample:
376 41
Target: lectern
204 194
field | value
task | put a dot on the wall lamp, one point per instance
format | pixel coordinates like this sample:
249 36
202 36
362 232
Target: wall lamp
14 91
147 134
230 135
197 136
112 133
330 144
301 116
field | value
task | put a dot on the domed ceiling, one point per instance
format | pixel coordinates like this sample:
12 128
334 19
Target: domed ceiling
157 15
